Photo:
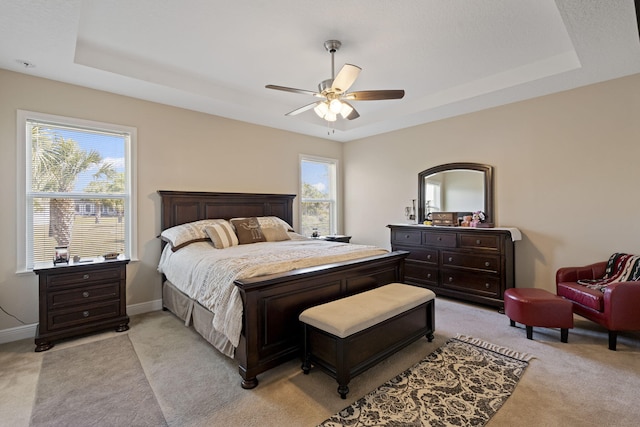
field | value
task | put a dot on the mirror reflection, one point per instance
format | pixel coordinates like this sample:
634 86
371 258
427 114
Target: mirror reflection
454 191
456 187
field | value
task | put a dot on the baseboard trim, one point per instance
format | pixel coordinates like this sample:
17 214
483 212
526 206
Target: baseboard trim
29 331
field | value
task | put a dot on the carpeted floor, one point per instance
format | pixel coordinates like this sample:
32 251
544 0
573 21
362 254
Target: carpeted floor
196 386
100 384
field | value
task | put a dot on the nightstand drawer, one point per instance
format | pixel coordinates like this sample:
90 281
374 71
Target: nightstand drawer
83 295
80 315
71 278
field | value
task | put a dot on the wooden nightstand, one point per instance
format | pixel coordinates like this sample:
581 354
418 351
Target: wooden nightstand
80 298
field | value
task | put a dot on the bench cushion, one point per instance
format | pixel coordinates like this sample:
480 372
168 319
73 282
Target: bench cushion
352 314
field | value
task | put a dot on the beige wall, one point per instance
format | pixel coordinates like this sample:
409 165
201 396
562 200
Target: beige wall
177 150
565 168
566 174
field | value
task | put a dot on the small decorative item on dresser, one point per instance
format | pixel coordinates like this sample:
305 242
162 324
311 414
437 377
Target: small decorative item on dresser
445 218
62 255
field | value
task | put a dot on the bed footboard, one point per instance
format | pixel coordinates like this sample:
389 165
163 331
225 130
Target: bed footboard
271 330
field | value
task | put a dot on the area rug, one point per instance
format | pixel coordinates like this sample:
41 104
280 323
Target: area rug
100 383
462 383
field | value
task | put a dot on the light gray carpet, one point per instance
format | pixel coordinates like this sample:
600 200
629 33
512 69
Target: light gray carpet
96 384
462 383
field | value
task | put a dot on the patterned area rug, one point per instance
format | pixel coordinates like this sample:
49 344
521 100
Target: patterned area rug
463 383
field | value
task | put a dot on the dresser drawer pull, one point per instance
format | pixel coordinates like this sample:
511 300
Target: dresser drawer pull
428 275
439 239
478 242
85 313
85 294
406 236
450 259
487 264
429 256
486 285
85 277
450 279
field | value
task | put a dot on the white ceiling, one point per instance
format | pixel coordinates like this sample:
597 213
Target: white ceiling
450 56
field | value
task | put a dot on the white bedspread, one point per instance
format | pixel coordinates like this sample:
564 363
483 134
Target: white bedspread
207 274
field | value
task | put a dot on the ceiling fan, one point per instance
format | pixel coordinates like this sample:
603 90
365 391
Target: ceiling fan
334 91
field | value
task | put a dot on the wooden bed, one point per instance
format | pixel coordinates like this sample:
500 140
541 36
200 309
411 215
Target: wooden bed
271 304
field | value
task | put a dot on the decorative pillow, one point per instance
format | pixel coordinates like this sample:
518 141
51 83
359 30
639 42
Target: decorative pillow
276 233
248 230
185 234
222 235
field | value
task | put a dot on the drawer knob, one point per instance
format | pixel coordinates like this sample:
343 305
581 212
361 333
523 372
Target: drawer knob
429 256
85 277
439 239
85 294
478 242
450 279
406 236
428 275
486 285
487 264
450 259
85 313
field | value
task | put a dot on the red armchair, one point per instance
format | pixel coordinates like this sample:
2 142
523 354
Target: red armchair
617 308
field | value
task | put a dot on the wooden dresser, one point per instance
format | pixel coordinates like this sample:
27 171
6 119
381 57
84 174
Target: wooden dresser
76 299
472 264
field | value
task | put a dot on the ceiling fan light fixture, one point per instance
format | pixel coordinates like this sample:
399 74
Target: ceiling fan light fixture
330 117
321 109
335 106
345 110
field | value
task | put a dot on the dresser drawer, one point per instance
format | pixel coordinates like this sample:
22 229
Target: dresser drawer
420 272
406 237
425 255
440 239
83 295
65 318
489 263
72 278
471 283
480 241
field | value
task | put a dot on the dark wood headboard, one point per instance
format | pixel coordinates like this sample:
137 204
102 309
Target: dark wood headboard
180 207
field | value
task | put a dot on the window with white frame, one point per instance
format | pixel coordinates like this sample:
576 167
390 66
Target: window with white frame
318 195
76 188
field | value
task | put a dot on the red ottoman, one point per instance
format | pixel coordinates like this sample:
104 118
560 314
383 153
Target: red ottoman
537 307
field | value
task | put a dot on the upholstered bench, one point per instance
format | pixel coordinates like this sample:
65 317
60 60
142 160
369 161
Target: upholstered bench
537 307
348 336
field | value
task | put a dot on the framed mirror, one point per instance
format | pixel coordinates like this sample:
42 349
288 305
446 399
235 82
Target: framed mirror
456 187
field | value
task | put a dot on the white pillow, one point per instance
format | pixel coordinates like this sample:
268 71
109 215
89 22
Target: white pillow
181 235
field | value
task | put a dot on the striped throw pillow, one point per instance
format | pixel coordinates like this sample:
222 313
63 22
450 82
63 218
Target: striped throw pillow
222 235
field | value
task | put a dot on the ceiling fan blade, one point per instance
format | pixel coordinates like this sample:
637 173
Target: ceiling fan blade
353 114
345 78
294 90
374 95
302 109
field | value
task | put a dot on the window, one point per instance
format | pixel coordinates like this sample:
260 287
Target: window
318 201
76 188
